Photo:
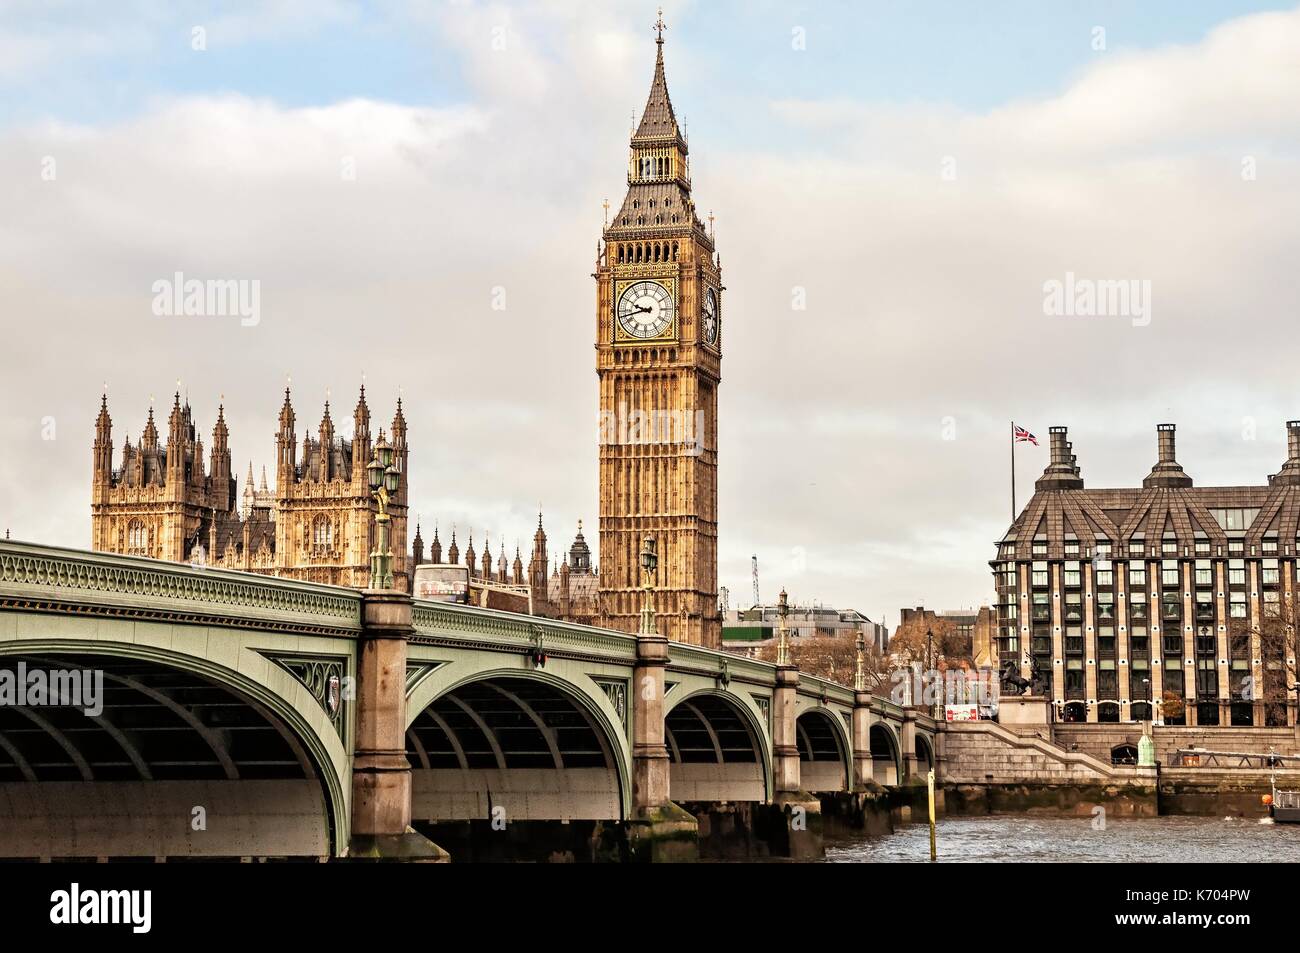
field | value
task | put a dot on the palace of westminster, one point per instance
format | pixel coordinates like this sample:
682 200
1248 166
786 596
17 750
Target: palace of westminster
658 352
1166 601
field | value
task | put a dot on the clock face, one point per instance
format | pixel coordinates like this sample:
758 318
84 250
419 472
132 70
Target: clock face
710 317
645 310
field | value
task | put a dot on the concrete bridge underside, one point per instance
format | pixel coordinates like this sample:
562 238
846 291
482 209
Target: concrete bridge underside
175 765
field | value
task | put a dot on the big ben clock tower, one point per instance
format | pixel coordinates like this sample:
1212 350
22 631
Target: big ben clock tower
659 359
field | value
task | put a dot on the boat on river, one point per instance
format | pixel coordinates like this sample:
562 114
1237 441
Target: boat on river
1285 807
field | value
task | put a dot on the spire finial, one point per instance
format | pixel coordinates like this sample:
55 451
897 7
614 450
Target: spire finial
660 26
604 205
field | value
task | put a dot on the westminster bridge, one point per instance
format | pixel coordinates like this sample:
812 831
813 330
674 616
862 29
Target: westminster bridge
243 716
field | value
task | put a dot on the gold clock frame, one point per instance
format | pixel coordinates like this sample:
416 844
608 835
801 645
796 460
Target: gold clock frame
706 287
671 334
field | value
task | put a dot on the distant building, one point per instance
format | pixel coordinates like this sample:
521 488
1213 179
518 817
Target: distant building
749 628
975 626
571 593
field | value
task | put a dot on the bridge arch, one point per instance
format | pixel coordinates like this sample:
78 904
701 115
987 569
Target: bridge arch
515 744
717 749
825 753
190 757
924 753
886 763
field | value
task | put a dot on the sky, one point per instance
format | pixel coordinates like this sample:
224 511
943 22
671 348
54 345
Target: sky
417 188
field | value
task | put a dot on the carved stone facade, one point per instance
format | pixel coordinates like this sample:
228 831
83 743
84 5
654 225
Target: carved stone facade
658 358
316 524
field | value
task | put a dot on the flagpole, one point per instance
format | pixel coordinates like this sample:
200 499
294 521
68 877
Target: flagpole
1013 472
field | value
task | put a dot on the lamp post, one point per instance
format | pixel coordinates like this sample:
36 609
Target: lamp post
383 478
929 664
649 562
782 645
860 673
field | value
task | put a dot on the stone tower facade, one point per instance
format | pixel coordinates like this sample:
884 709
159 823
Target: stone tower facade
658 358
315 524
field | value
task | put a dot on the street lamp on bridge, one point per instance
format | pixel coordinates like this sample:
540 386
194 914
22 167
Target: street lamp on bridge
649 562
383 478
783 614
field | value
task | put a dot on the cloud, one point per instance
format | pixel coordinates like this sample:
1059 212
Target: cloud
924 315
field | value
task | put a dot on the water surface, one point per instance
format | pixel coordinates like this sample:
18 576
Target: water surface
1017 838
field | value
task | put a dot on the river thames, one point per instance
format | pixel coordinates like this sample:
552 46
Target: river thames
1018 839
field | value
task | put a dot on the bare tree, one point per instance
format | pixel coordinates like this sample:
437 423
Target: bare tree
834 658
911 641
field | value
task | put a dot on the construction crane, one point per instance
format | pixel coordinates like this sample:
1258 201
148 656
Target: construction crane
757 601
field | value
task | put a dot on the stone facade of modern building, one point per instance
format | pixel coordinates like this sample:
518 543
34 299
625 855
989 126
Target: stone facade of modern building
1166 601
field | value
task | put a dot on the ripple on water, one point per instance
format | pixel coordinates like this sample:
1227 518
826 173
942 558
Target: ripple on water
1019 839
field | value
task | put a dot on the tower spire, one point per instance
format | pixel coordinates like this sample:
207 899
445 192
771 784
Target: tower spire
658 121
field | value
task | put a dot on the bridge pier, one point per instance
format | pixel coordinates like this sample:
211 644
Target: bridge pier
659 830
866 806
907 742
796 827
381 773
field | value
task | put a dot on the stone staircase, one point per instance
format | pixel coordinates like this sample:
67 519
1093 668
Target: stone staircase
984 752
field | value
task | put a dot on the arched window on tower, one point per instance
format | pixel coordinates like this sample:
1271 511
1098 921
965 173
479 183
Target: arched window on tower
322 534
137 537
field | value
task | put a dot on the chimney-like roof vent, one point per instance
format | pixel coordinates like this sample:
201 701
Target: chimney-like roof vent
1289 475
1062 471
1167 472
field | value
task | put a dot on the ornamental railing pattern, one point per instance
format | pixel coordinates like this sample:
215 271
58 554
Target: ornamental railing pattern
70 576
434 620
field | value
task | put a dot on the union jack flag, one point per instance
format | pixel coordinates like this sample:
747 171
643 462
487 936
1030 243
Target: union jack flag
1024 436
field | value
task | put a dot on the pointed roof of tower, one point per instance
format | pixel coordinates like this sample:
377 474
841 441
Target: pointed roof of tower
150 428
174 420
399 424
658 121
286 411
659 188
